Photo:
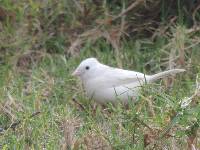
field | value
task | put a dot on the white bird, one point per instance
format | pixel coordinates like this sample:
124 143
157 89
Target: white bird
107 84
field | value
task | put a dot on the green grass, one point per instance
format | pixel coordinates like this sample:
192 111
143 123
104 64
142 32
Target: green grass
43 106
49 88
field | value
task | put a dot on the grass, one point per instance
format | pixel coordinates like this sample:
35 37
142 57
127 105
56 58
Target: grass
43 107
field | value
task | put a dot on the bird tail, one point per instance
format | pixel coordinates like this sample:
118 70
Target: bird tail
164 74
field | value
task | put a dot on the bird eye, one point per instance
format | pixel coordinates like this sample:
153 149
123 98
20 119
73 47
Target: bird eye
87 67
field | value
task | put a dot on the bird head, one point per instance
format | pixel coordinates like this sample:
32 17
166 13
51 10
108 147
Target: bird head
86 68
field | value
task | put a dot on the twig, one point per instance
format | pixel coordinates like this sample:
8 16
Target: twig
74 46
186 101
79 104
192 136
183 105
194 13
15 124
69 130
133 5
151 110
117 45
122 27
169 126
7 111
78 6
144 124
35 114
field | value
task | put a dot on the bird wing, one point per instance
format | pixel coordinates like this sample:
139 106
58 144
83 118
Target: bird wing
125 76
112 77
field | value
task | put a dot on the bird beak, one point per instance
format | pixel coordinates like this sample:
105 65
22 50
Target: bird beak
76 73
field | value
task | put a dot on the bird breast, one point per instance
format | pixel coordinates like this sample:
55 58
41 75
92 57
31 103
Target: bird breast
112 94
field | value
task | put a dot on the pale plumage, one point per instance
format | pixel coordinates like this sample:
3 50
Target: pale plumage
107 84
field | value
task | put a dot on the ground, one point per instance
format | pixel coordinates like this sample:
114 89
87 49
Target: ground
44 107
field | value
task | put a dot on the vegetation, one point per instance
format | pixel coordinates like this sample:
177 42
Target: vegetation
43 107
